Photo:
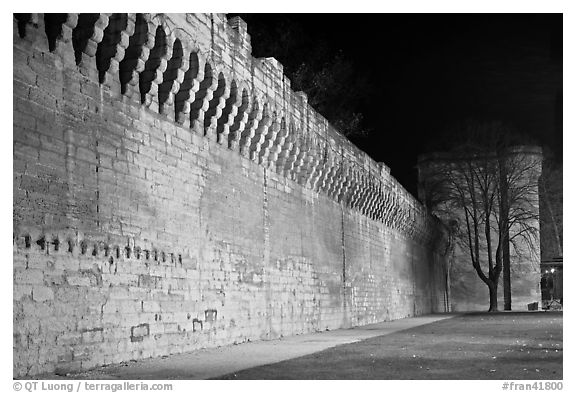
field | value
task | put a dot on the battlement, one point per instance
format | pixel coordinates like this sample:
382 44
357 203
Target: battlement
197 71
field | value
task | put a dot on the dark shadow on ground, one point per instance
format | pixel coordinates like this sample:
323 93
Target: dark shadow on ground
504 345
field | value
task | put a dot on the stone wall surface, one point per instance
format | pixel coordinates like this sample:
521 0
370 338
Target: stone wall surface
172 193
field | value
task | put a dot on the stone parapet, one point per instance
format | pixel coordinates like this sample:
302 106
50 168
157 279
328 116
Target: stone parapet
196 70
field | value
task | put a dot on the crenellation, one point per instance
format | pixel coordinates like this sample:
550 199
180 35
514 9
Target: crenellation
239 29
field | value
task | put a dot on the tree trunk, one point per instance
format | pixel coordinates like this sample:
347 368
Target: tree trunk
506 272
503 227
493 288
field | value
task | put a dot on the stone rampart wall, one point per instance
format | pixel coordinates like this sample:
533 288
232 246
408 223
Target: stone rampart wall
171 193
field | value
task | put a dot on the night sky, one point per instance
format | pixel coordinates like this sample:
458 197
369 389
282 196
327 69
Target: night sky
429 72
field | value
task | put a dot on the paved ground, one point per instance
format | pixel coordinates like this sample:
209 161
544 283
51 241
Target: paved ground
507 345
473 346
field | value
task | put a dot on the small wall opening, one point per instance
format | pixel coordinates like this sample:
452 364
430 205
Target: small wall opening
202 91
171 73
236 124
218 93
53 27
262 128
149 74
82 33
232 99
279 141
184 92
245 136
107 47
133 52
22 20
270 138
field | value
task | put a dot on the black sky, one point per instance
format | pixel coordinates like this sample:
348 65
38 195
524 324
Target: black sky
428 72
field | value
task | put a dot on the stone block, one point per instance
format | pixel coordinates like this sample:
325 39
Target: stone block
94 335
150 306
78 281
28 276
22 291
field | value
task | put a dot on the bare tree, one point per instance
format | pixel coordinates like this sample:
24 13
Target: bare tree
488 190
519 213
